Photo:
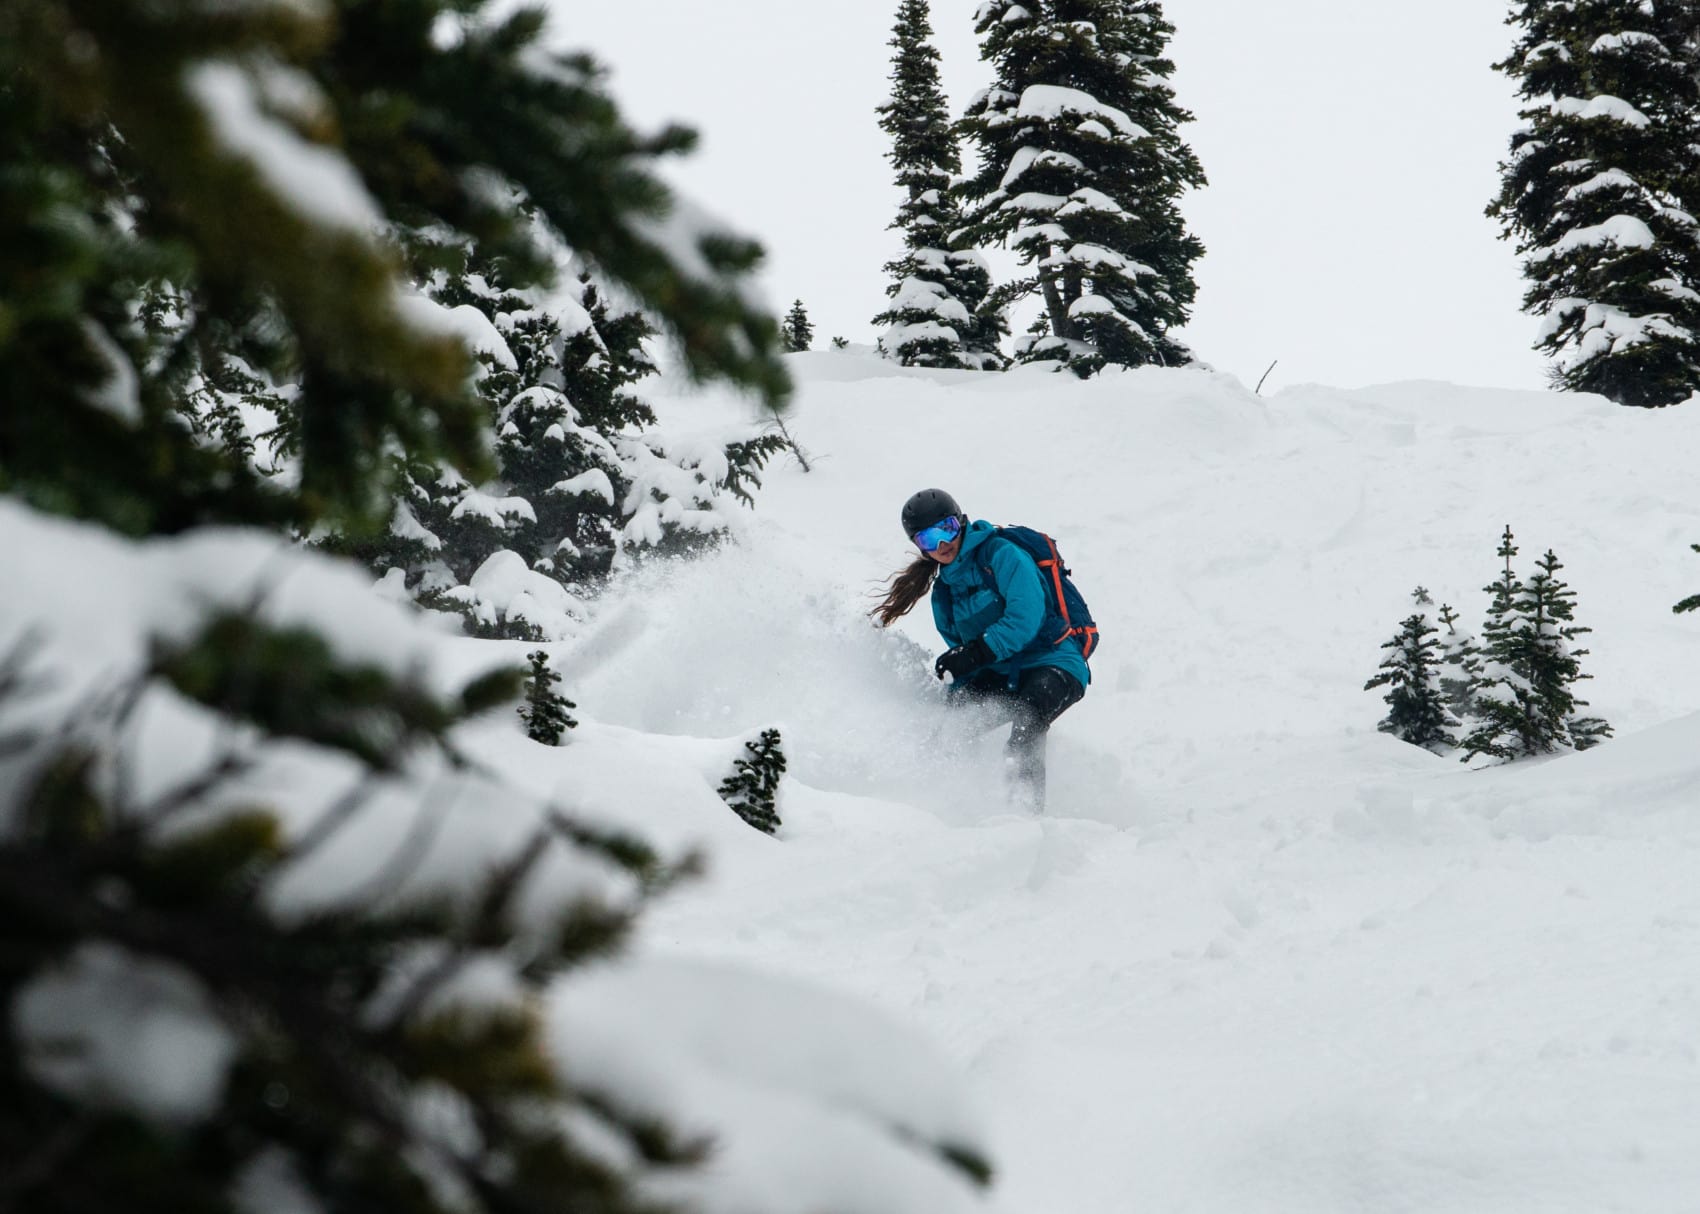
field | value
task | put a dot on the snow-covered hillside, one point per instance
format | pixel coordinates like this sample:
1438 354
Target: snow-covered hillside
1256 956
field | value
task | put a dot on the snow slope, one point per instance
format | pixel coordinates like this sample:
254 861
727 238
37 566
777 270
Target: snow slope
1256 956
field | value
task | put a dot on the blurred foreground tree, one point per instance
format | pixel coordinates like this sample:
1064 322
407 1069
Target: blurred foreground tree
192 193
204 1005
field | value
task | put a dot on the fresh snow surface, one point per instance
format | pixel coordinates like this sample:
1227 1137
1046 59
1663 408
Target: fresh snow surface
921 295
315 180
119 392
1028 157
1630 40
1621 231
1087 199
1604 330
463 321
1256 955
1614 109
1053 101
1611 179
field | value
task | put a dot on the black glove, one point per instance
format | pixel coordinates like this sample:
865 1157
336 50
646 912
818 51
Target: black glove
964 660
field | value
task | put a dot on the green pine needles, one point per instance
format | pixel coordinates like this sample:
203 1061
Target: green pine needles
753 787
545 709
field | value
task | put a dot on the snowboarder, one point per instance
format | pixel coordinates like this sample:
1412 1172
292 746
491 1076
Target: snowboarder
990 605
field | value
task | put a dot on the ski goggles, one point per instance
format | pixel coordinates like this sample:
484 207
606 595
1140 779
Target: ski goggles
928 539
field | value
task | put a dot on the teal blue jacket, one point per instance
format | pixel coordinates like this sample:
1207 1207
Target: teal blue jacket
1004 610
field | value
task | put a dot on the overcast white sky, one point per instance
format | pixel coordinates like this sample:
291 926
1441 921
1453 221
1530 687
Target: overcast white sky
1350 144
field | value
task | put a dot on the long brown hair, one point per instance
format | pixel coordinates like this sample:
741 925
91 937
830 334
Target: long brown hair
904 589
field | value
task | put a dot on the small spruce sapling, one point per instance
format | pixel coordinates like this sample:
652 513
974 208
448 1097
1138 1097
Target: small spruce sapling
796 334
1416 706
545 709
1523 675
1554 666
754 783
1507 716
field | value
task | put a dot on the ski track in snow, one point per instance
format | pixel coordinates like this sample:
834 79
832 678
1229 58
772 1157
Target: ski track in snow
1256 956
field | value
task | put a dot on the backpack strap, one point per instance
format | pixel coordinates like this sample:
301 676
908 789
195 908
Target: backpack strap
1052 567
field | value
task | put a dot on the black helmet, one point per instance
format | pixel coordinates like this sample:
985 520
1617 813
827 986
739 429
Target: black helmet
927 507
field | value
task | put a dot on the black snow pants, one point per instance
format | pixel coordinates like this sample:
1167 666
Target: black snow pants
1042 694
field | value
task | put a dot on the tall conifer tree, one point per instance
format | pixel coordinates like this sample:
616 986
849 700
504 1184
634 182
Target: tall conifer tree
1081 170
935 317
1599 193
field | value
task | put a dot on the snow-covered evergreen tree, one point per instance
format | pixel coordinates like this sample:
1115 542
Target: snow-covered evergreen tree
1081 168
1554 665
516 555
1416 704
1457 653
545 711
1599 191
1507 718
937 290
797 332
752 790
1523 702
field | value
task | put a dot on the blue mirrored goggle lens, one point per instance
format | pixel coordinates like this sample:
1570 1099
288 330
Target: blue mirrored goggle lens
928 539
